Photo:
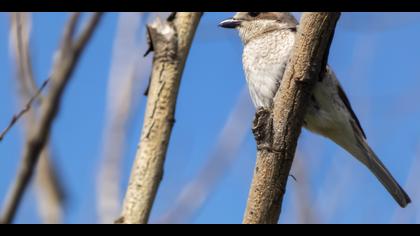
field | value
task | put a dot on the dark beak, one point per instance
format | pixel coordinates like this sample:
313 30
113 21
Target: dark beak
230 23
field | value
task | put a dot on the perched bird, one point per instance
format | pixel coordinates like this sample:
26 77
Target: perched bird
268 39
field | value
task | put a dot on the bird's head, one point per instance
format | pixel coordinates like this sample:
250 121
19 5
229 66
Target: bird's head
254 24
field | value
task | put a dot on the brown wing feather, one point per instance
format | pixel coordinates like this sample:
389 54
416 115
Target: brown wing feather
346 102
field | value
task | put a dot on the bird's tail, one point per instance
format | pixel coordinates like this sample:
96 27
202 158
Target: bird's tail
366 155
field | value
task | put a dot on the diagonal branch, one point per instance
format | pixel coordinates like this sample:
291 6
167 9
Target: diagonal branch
22 112
65 63
19 38
50 194
171 44
280 128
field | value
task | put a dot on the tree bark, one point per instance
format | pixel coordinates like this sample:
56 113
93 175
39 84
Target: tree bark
171 41
276 131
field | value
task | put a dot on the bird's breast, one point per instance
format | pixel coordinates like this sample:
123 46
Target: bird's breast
264 61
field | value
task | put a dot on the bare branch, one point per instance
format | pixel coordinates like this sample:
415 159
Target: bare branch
69 31
280 128
171 41
64 66
27 107
86 33
50 194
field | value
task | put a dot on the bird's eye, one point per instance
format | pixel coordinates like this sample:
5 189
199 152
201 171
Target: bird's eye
254 14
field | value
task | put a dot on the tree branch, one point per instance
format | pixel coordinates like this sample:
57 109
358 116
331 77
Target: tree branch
64 65
19 38
280 128
171 44
22 112
50 192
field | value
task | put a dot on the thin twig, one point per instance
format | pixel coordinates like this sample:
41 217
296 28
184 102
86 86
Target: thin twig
27 107
65 63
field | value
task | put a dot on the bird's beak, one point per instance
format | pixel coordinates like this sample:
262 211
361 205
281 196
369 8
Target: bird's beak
230 23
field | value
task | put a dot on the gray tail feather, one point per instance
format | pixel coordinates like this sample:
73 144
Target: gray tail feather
383 175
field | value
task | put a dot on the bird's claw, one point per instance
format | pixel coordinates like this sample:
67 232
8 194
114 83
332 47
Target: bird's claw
267 147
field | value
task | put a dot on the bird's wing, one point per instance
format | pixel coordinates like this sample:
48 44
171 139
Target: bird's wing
346 102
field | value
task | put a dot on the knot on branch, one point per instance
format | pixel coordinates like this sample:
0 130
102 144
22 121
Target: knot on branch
162 39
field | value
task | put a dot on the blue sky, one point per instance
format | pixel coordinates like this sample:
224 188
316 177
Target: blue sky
375 55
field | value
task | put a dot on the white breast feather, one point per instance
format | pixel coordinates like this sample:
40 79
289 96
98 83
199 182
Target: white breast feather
264 65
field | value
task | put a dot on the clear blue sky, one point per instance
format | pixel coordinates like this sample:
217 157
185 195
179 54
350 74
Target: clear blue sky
375 55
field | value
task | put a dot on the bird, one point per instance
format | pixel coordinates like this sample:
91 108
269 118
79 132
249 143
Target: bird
268 39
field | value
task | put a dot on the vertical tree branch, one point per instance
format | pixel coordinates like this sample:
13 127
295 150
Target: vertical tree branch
49 190
280 128
64 65
171 41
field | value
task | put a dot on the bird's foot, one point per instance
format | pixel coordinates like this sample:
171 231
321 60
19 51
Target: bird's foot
267 147
262 124
263 130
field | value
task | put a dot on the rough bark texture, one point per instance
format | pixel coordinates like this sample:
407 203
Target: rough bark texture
277 131
64 66
170 41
